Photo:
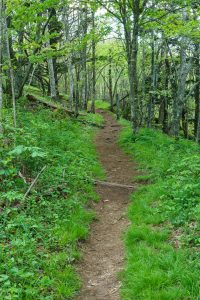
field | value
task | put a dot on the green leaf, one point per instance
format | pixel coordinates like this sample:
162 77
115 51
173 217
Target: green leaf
3 277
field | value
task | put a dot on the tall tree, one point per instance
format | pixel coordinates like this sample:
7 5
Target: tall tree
93 64
12 79
1 71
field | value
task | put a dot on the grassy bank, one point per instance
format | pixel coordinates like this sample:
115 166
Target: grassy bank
162 243
39 232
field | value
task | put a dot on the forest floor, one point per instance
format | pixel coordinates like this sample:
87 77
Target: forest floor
103 253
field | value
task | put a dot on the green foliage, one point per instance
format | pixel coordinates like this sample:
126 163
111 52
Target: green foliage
39 233
99 104
163 241
93 119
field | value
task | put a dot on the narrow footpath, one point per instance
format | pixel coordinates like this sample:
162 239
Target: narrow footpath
103 252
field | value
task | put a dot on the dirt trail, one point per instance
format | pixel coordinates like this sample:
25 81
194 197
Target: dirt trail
103 252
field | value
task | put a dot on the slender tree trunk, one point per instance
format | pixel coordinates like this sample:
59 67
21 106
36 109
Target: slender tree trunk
52 80
198 127
12 80
165 125
143 82
163 111
184 69
134 88
65 78
84 57
69 62
19 72
84 80
153 84
77 97
117 106
110 85
93 65
71 82
1 71
132 58
32 75
7 72
53 27
25 78
197 92
180 98
185 120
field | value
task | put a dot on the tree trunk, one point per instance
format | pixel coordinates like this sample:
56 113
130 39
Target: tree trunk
180 98
185 121
19 73
132 58
12 80
185 66
110 85
77 96
165 125
117 107
197 92
71 82
93 65
1 71
52 80
84 57
52 28
143 83
163 112
69 62
153 84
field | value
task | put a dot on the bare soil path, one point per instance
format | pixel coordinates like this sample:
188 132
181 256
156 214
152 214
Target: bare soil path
103 253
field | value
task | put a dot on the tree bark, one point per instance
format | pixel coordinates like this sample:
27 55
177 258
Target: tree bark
184 69
165 125
180 97
69 61
153 84
110 85
197 92
117 107
52 80
93 65
84 57
131 41
12 80
53 27
1 71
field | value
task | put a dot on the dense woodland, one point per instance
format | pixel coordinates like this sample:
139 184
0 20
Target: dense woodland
144 55
60 61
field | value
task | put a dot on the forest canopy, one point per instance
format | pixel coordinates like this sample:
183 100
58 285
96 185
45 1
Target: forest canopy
144 53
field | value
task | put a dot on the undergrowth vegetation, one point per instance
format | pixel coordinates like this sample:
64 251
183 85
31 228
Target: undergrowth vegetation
163 242
40 229
99 104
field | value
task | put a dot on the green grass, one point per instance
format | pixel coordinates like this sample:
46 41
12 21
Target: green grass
93 119
39 234
163 214
99 104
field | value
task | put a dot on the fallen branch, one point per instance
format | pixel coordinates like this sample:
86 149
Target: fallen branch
22 177
33 98
34 182
113 184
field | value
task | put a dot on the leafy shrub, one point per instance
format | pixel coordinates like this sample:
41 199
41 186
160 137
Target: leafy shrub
38 234
162 244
